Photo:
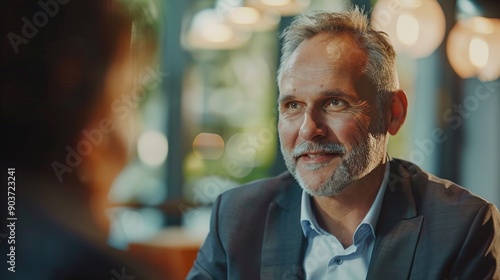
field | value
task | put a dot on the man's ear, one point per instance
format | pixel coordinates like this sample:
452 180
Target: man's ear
396 111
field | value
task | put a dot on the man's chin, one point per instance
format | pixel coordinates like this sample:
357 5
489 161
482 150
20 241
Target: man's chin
328 192
314 192
321 188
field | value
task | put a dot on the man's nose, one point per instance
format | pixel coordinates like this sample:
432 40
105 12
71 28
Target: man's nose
313 126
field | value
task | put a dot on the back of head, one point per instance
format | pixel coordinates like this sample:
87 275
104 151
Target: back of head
60 62
63 65
54 63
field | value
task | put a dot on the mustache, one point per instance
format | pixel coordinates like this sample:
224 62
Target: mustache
308 147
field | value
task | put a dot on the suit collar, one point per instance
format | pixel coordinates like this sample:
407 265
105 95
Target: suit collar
398 227
289 200
283 244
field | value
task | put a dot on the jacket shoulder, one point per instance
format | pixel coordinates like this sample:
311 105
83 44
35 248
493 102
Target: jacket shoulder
430 190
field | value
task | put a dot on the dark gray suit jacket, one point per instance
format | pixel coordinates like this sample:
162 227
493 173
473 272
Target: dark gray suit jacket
428 228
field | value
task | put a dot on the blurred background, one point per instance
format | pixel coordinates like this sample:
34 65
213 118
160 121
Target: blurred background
209 125
206 107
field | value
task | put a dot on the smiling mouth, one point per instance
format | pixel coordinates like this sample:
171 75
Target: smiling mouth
317 153
317 156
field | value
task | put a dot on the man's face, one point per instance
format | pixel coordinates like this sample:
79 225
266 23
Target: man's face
330 128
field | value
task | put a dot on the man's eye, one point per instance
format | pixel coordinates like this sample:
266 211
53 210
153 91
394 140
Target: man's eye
293 105
336 103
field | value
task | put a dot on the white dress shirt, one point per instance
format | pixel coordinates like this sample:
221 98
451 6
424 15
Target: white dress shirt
325 257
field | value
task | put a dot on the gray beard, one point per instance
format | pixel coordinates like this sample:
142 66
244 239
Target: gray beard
363 158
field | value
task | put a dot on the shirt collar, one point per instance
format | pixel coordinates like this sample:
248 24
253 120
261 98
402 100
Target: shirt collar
308 221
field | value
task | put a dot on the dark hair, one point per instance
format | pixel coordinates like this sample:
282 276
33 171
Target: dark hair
53 64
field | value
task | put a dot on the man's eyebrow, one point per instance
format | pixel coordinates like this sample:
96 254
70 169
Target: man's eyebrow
285 98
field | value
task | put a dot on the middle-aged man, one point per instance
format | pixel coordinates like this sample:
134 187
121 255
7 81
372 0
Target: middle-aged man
346 210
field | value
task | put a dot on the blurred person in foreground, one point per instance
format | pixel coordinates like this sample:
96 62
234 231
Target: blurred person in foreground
345 209
65 64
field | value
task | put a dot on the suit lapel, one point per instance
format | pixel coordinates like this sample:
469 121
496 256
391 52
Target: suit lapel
283 244
398 229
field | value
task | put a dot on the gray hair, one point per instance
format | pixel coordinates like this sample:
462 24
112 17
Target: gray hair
381 65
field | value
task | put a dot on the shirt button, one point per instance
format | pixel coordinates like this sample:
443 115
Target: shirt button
339 261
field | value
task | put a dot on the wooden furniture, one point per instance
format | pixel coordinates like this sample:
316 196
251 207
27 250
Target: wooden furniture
171 252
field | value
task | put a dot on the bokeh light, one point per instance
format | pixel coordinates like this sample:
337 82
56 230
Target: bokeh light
472 48
415 27
208 146
153 148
